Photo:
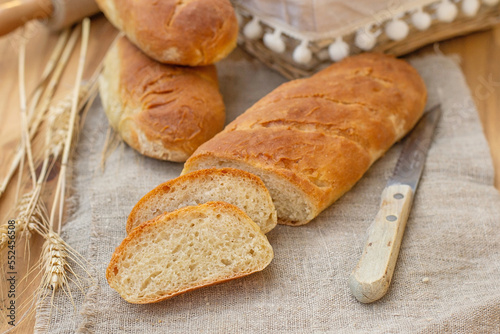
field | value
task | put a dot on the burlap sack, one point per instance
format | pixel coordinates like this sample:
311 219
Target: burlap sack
451 240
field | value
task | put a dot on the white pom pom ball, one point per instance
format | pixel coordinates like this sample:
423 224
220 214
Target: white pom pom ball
421 20
302 54
397 30
446 11
470 7
274 42
253 30
490 2
338 50
365 40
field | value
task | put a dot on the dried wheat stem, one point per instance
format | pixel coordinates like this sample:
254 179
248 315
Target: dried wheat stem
20 176
26 141
92 91
49 68
60 188
48 92
54 80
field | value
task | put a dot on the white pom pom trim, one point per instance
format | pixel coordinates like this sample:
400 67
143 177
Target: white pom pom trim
365 39
470 7
274 42
421 20
302 54
397 30
446 11
253 30
338 50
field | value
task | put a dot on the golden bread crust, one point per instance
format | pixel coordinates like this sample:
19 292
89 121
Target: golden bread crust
162 111
323 133
188 32
186 180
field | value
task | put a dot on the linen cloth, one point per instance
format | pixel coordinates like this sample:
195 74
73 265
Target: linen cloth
446 279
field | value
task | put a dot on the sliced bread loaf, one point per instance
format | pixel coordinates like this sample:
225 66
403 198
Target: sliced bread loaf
311 140
187 249
230 185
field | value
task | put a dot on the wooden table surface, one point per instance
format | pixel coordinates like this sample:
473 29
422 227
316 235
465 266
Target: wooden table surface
478 53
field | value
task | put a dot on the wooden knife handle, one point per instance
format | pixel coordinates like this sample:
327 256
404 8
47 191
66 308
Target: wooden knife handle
372 276
16 13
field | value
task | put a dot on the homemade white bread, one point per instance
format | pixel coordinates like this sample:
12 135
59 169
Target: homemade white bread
162 111
188 32
311 140
187 249
234 186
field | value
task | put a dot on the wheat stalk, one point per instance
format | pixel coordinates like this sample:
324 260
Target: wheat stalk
58 260
42 97
62 120
54 80
61 181
48 70
25 137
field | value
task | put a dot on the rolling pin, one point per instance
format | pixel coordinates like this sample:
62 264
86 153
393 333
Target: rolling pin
57 13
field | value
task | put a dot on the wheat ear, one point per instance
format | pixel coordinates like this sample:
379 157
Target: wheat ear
30 217
55 255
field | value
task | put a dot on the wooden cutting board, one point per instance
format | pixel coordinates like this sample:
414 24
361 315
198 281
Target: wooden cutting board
479 53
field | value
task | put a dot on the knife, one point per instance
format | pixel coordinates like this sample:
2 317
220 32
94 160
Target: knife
372 276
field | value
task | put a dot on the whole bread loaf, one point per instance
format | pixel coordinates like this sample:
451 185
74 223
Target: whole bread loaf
187 249
188 32
311 140
233 186
162 111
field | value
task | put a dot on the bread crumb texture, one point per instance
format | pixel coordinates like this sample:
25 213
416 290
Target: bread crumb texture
187 249
234 186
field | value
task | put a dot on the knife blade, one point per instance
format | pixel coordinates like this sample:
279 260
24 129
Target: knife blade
372 276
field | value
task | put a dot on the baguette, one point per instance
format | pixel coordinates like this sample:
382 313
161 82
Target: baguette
187 249
189 32
230 185
162 111
311 140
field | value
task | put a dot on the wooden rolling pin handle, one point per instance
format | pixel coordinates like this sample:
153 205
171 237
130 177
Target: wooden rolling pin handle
16 13
372 276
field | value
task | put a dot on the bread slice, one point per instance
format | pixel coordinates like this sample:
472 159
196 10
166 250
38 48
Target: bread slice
187 249
230 185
